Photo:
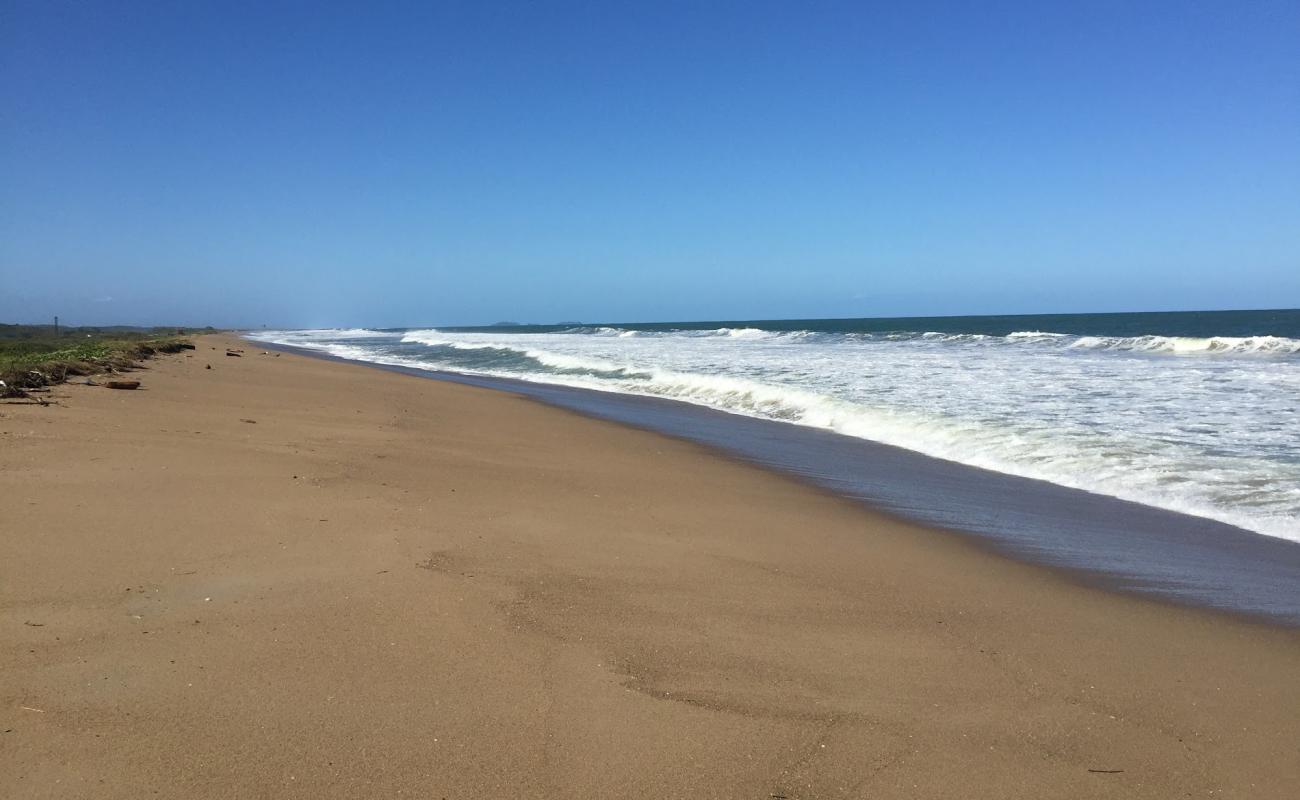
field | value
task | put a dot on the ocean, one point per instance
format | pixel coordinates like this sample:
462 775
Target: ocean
1192 413
1197 412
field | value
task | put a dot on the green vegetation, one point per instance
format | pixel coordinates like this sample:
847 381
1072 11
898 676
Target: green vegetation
32 356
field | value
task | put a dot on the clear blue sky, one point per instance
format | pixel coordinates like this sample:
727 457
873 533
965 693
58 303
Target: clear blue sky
324 164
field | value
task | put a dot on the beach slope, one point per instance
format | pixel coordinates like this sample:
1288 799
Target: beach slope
277 576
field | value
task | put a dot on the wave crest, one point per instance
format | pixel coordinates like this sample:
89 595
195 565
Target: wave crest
1186 345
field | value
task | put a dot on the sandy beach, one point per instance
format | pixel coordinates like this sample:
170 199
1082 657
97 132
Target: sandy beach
278 576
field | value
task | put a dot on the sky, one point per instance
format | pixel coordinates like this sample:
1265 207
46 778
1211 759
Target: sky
322 164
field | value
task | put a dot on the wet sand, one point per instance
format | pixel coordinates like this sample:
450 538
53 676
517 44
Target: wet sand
288 577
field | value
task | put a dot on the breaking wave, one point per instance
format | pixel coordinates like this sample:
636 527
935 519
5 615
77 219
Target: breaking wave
1201 425
1149 344
1181 345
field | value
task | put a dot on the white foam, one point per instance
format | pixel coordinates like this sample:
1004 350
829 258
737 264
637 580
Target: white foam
745 333
577 363
1184 345
1172 345
1213 434
320 334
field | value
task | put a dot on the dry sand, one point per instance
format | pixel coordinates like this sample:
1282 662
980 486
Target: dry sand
285 577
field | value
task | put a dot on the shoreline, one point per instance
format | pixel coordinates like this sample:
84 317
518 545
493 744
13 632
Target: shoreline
382 585
1092 539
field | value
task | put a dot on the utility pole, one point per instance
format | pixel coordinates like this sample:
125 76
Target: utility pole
56 327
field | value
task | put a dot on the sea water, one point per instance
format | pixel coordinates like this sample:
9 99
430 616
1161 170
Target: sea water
1194 412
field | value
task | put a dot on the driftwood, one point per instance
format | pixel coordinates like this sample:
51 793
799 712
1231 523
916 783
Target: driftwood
25 399
123 384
